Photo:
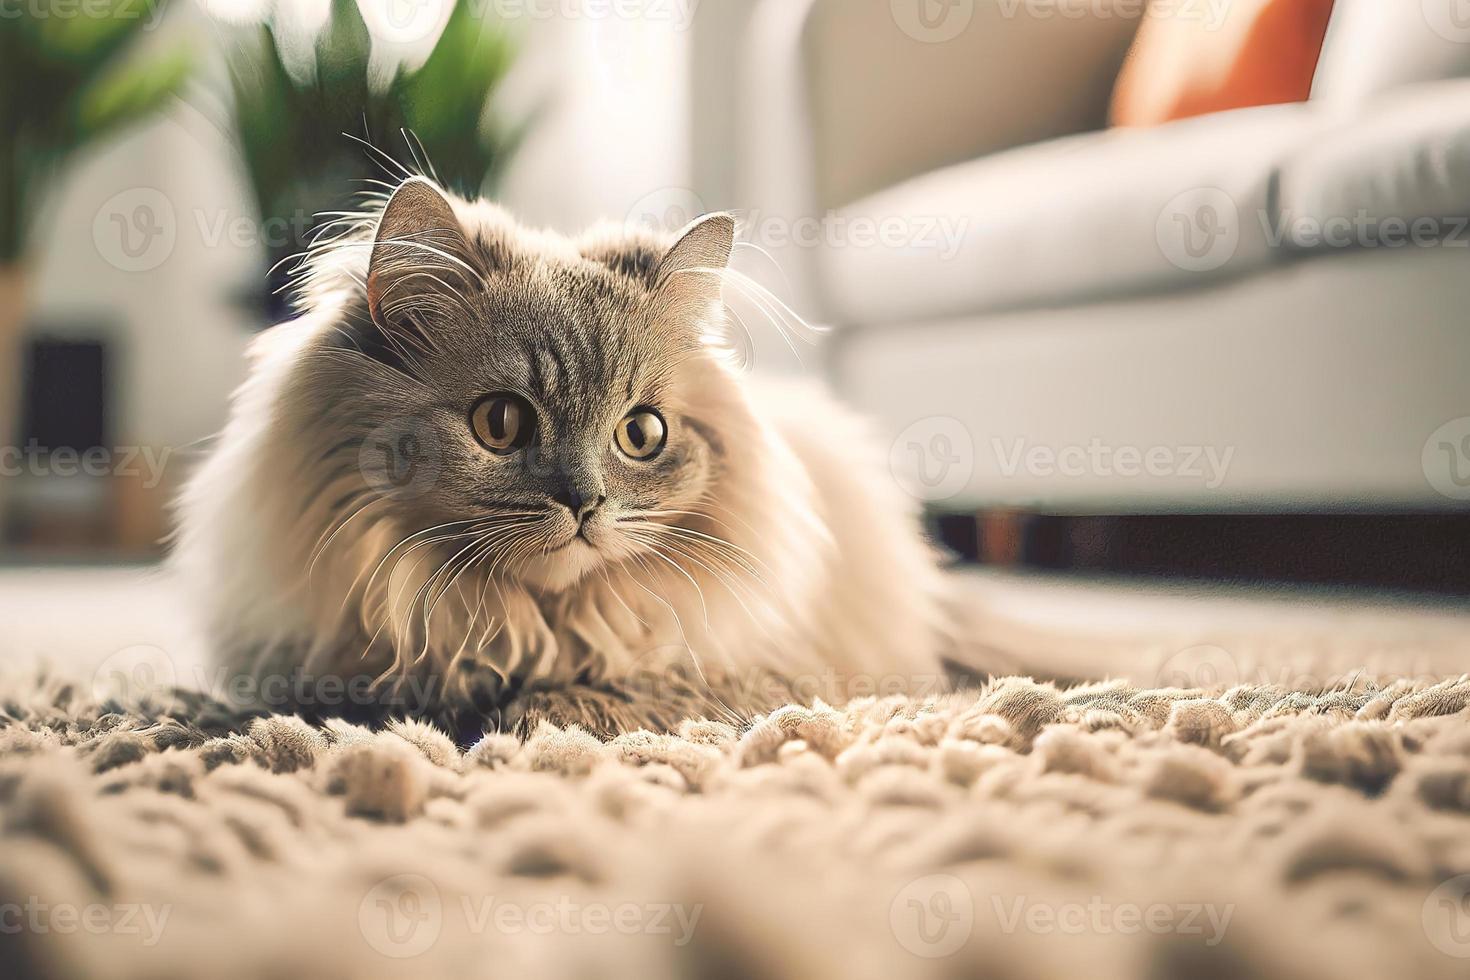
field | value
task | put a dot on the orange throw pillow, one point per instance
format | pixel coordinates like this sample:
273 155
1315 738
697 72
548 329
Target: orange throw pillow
1182 64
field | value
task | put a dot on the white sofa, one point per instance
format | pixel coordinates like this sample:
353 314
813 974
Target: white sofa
1067 348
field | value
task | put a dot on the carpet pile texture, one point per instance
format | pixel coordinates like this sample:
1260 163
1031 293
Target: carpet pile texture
1016 830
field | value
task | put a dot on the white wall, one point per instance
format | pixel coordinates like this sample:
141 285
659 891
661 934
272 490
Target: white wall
179 335
613 120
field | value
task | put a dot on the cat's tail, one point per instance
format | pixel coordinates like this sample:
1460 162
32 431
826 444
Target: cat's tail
977 645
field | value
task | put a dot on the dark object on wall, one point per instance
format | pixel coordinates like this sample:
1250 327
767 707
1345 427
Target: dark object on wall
65 395
53 504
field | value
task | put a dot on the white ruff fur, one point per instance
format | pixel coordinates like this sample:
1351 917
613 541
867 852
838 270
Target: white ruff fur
822 578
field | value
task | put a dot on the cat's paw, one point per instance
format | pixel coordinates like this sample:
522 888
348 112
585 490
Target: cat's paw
603 712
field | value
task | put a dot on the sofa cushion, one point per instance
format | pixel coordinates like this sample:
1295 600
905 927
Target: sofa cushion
1376 45
1260 52
1396 174
1077 218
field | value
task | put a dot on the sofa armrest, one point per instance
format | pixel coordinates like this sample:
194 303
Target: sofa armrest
895 88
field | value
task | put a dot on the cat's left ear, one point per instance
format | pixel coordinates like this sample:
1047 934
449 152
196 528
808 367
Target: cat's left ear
696 263
419 250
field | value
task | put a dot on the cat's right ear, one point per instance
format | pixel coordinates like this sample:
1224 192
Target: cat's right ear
700 253
419 252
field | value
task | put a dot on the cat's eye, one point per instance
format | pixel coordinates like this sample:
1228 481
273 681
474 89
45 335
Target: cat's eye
503 423
641 433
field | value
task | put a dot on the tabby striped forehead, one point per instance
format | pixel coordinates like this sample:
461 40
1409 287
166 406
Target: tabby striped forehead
578 338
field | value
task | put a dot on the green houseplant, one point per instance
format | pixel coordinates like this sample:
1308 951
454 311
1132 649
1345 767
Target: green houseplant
308 138
69 77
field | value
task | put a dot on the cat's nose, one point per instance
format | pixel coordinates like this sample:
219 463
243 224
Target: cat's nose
580 500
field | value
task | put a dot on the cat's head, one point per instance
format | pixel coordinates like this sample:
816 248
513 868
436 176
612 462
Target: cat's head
563 394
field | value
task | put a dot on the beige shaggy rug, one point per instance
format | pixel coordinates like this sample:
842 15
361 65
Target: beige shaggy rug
1013 831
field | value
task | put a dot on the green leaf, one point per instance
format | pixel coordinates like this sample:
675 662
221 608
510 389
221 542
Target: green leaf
66 81
465 66
343 48
290 129
128 92
91 36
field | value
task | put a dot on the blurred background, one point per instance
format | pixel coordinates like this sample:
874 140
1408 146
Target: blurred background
166 160
1174 289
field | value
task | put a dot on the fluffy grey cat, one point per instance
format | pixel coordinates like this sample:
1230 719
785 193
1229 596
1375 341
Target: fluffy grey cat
514 475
